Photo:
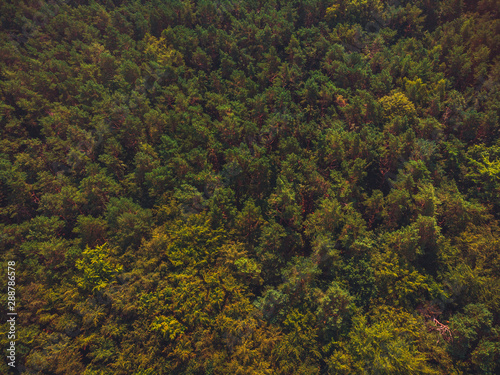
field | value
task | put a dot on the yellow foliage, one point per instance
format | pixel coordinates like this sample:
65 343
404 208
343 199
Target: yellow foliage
168 326
97 268
397 104
164 54
331 11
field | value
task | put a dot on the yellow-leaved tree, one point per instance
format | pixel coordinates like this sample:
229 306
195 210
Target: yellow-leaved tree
96 268
397 104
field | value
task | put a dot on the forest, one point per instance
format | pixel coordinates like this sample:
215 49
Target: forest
260 187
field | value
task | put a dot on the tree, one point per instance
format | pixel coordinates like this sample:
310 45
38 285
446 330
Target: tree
97 269
387 345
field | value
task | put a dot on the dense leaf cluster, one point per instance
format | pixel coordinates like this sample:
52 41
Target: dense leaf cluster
252 187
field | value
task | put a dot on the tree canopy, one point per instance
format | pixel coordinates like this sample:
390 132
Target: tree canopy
251 187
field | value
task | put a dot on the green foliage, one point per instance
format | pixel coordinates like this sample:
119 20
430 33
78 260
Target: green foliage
252 187
387 345
475 335
97 270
